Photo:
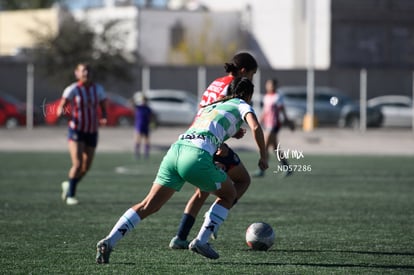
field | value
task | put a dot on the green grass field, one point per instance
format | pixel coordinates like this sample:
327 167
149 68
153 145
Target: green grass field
347 215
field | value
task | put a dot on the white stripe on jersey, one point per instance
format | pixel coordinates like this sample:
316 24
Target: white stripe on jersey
85 103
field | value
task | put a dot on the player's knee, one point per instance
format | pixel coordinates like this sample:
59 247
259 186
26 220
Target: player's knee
243 182
247 181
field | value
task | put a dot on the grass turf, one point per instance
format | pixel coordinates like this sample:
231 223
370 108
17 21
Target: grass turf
349 214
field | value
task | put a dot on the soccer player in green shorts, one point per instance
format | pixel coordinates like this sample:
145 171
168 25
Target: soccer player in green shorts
190 159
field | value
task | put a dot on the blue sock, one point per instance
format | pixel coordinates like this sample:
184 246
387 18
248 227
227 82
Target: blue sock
147 150
72 187
137 150
187 222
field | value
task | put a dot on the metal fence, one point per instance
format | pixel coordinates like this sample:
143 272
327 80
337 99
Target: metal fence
26 83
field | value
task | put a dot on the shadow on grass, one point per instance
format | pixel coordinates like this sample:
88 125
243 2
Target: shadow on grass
339 265
121 264
333 265
348 251
310 264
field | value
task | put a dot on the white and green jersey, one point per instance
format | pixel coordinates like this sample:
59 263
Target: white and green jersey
215 124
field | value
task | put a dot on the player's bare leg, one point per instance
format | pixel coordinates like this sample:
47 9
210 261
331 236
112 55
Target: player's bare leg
75 172
241 178
191 211
156 198
82 157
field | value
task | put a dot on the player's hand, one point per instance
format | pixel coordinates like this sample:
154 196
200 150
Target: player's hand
263 164
240 133
103 121
222 151
59 112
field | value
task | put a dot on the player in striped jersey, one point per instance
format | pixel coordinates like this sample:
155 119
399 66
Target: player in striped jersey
271 120
190 159
85 97
242 64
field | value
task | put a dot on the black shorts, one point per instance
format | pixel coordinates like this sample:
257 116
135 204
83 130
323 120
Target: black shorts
90 139
229 161
275 129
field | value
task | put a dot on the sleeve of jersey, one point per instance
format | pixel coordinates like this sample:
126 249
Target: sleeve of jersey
280 101
244 109
68 92
101 92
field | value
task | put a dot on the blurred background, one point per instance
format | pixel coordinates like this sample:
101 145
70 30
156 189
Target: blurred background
348 63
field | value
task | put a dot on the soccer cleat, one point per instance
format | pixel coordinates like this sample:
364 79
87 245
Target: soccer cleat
71 201
204 249
258 173
288 174
65 189
103 250
177 243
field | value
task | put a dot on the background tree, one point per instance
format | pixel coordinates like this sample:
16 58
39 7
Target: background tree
26 4
58 54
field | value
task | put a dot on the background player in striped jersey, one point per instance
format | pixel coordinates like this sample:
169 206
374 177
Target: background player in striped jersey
243 64
85 97
271 120
191 153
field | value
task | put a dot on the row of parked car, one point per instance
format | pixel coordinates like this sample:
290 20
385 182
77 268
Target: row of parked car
171 107
331 108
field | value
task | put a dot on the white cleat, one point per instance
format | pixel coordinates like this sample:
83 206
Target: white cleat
204 249
65 189
71 201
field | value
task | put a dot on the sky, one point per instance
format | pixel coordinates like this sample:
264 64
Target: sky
79 4
212 4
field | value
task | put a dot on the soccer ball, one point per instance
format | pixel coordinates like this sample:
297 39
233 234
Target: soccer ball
260 236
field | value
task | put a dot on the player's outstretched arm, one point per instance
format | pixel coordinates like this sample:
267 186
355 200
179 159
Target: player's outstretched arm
102 104
258 136
288 122
61 106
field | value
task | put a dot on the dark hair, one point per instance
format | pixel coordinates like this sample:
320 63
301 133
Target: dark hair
85 64
274 81
240 61
240 87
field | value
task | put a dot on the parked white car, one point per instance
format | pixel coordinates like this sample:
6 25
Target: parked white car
172 107
396 109
331 107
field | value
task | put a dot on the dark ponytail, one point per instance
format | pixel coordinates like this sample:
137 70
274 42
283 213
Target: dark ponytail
240 61
230 68
241 87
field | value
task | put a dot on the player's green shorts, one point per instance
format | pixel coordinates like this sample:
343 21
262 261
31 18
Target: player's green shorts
187 163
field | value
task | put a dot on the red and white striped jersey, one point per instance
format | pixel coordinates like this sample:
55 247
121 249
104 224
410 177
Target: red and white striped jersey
84 102
217 89
272 105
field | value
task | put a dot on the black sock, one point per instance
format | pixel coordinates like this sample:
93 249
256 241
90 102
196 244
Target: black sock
72 187
187 222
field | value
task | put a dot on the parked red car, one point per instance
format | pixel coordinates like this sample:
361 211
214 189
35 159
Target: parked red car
119 112
12 111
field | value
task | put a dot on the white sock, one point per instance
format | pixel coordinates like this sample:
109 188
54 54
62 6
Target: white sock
214 217
126 223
